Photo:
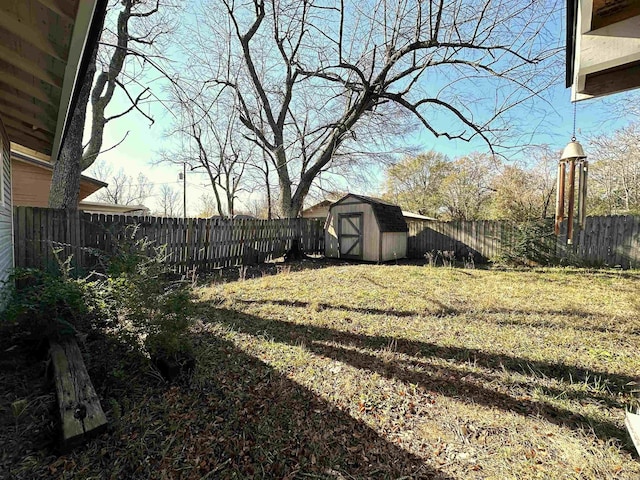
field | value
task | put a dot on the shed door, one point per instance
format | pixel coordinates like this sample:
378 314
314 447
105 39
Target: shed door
350 235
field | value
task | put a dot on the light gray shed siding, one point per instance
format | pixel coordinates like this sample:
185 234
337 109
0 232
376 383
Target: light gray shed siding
6 212
370 237
377 244
394 246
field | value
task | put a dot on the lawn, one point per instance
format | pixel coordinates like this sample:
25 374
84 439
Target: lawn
365 371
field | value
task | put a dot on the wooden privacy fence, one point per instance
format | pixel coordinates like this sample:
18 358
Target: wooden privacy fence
484 239
604 240
204 244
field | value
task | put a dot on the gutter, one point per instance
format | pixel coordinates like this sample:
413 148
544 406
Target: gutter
572 17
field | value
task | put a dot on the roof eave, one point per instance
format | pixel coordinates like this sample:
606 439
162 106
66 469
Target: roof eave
572 12
86 33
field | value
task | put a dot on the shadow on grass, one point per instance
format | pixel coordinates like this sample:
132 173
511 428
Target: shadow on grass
276 428
239 418
239 272
443 380
447 310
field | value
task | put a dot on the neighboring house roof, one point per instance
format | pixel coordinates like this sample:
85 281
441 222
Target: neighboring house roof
102 207
323 203
415 216
322 207
388 215
46 48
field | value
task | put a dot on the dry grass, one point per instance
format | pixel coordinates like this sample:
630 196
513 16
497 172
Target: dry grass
482 374
362 371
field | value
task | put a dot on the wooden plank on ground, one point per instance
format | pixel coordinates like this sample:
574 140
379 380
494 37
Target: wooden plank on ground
80 411
632 422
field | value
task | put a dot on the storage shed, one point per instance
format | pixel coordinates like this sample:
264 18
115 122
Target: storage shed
365 228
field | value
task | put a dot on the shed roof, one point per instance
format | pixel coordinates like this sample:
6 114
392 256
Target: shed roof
415 216
388 215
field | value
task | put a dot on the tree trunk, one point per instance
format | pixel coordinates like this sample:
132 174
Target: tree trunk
65 181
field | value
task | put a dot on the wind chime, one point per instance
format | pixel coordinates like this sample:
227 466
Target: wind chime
572 157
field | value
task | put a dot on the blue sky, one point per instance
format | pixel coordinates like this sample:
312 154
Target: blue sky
550 123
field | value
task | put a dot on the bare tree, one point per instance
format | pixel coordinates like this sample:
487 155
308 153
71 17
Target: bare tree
466 192
319 85
127 47
614 176
123 189
204 136
544 168
169 201
208 206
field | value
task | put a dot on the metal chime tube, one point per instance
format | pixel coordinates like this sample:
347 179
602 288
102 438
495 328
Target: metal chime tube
579 195
571 201
560 197
583 191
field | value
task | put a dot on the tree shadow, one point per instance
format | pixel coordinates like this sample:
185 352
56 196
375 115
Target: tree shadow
328 306
238 418
266 269
284 428
447 310
444 380
605 272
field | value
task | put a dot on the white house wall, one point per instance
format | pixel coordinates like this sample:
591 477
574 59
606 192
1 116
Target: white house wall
6 212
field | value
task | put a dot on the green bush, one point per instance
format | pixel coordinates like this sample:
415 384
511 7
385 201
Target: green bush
532 243
141 299
137 299
48 304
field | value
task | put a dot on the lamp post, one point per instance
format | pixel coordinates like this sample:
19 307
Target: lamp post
183 176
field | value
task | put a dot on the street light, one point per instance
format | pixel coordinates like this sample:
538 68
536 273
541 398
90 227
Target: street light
183 176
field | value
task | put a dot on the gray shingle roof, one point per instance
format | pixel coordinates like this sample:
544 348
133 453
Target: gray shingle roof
389 216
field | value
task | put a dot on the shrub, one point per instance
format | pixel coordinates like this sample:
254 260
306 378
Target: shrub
532 243
48 304
138 299
141 298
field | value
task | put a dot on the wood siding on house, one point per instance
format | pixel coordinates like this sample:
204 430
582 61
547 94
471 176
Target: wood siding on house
31 184
6 212
317 211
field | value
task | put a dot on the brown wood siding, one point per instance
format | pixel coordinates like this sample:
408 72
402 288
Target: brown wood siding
6 211
31 184
370 237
